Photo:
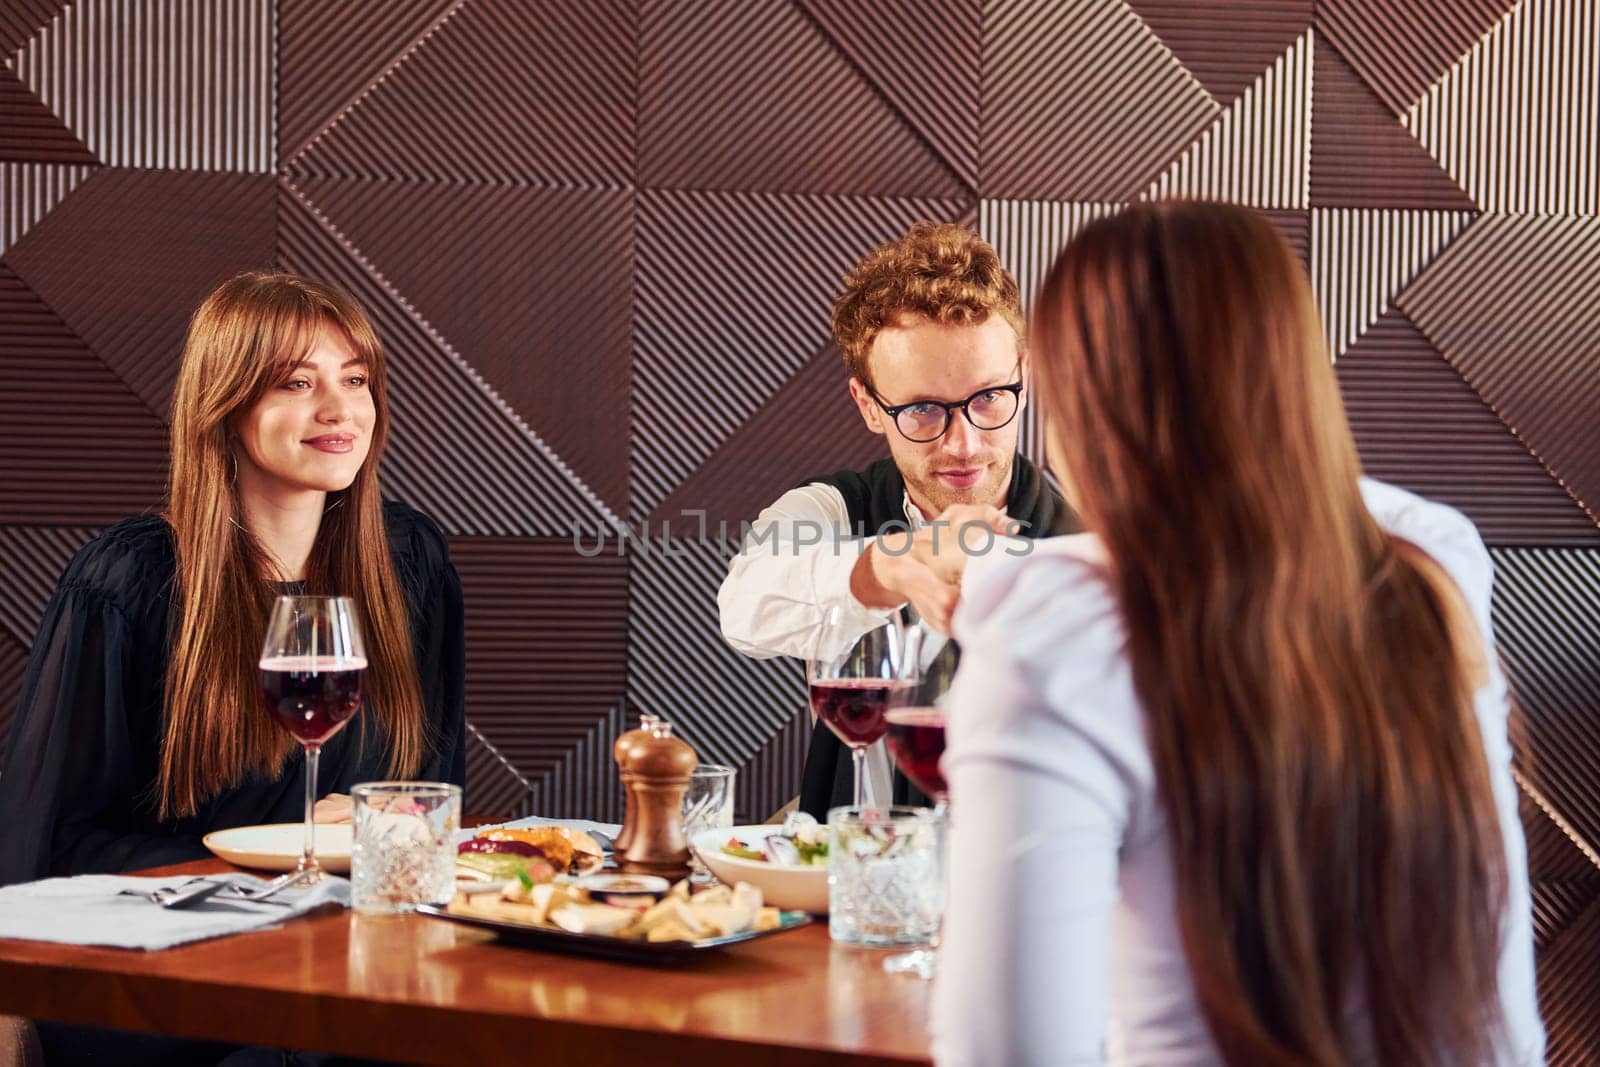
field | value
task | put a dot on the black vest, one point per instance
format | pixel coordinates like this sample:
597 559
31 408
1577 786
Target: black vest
875 501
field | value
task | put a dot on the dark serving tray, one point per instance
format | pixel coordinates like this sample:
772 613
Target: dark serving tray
554 939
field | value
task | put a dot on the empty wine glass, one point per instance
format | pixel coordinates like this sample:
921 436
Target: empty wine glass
312 663
855 678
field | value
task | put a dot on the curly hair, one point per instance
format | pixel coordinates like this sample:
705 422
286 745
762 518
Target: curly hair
939 271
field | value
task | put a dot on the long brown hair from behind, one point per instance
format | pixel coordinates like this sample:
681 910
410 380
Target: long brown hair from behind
244 339
1306 683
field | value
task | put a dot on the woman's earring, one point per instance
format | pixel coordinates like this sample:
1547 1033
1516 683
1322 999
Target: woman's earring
233 468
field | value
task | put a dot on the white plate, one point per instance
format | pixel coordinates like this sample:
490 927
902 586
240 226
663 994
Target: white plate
789 888
276 847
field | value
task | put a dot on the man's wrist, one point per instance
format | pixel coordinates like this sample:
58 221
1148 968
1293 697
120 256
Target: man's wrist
866 580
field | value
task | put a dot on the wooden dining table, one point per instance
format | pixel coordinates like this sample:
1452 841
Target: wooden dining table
415 989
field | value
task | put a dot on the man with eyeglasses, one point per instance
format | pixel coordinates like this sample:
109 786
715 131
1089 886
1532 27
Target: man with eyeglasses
931 329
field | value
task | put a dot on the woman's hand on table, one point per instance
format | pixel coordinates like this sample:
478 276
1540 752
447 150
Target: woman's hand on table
335 807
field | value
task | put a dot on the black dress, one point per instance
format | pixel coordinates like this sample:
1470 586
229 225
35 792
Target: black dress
77 789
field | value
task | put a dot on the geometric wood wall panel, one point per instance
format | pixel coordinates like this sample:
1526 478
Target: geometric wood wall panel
753 96
1361 154
1419 425
1547 629
769 779
1558 906
30 131
13 664
810 426
1547 632
601 242
1401 48
1555 852
583 782
430 242
729 707
1514 305
932 78
126 257
21 19
733 295
1565 879
180 84
60 408
463 455
546 654
324 68
1295 229
28 192
1081 102
32 558
447 112
1361 259
499 790
1517 121
1258 151
1028 235
1566 971
1226 45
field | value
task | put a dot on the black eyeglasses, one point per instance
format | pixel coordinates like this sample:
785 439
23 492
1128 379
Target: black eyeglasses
922 421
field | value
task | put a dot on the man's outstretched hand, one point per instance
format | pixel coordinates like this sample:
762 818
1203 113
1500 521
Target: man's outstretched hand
925 567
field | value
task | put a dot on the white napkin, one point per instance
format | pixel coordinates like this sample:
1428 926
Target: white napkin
90 910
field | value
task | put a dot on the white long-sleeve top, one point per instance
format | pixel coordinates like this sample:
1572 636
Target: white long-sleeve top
1061 940
795 565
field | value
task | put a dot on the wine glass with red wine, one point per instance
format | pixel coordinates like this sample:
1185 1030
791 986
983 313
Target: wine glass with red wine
916 742
312 663
855 678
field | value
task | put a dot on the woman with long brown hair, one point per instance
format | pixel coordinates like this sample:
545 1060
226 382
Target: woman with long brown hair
140 726
1230 776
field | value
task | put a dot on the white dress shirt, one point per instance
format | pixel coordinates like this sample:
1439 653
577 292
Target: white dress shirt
792 568
1061 940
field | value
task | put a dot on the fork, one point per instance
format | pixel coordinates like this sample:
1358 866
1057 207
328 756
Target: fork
263 893
186 895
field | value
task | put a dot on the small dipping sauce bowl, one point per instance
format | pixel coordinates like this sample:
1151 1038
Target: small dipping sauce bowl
624 890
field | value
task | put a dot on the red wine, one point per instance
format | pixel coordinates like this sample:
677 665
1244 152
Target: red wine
312 697
853 708
916 741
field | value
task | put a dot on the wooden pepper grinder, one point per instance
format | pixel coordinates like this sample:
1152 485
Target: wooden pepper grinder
619 751
659 765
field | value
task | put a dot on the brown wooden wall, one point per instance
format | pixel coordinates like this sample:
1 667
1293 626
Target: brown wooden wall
600 240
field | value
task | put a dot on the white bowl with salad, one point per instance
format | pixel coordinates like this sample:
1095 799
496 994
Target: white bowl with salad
792 876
